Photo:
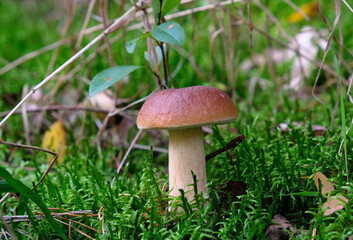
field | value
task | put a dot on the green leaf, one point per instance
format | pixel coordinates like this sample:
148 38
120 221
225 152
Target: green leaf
169 5
108 77
169 32
156 7
5 187
305 194
29 193
130 45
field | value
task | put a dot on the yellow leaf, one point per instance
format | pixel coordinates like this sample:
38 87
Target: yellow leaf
326 185
54 140
221 86
309 9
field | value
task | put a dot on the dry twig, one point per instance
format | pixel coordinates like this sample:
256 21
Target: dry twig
38 149
116 25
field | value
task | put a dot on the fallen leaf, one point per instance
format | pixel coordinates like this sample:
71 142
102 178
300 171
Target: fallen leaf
102 100
309 9
105 101
318 130
334 204
326 185
280 228
54 140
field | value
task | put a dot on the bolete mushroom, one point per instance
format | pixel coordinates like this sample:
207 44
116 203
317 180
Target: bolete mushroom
183 112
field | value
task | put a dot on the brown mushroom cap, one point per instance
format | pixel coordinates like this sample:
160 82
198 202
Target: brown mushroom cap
185 108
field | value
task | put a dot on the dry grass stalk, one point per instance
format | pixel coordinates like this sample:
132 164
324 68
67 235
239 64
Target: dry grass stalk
38 149
127 154
348 6
70 9
26 127
76 229
337 18
33 54
85 24
115 25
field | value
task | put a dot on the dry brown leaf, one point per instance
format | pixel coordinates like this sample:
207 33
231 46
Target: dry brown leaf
280 228
334 204
326 185
54 140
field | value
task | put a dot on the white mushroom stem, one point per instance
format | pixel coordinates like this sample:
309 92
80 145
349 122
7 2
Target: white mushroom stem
186 154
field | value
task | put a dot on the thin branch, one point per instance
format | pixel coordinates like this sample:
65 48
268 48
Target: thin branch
26 127
297 9
4 197
337 18
231 145
38 149
70 9
76 229
155 149
59 108
8 227
349 7
127 153
33 54
85 23
82 224
280 42
110 29
103 9
40 215
273 19
160 44
99 27
113 113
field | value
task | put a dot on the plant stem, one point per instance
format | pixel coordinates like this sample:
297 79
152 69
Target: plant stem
159 15
160 44
164 65
343 117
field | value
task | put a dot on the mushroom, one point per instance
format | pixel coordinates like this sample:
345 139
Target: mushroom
183 112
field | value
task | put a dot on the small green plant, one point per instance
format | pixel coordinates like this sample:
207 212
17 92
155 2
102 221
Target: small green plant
163 33
27 193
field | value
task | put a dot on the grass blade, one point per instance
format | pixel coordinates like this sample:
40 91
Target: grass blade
343 116
5 187
29 193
